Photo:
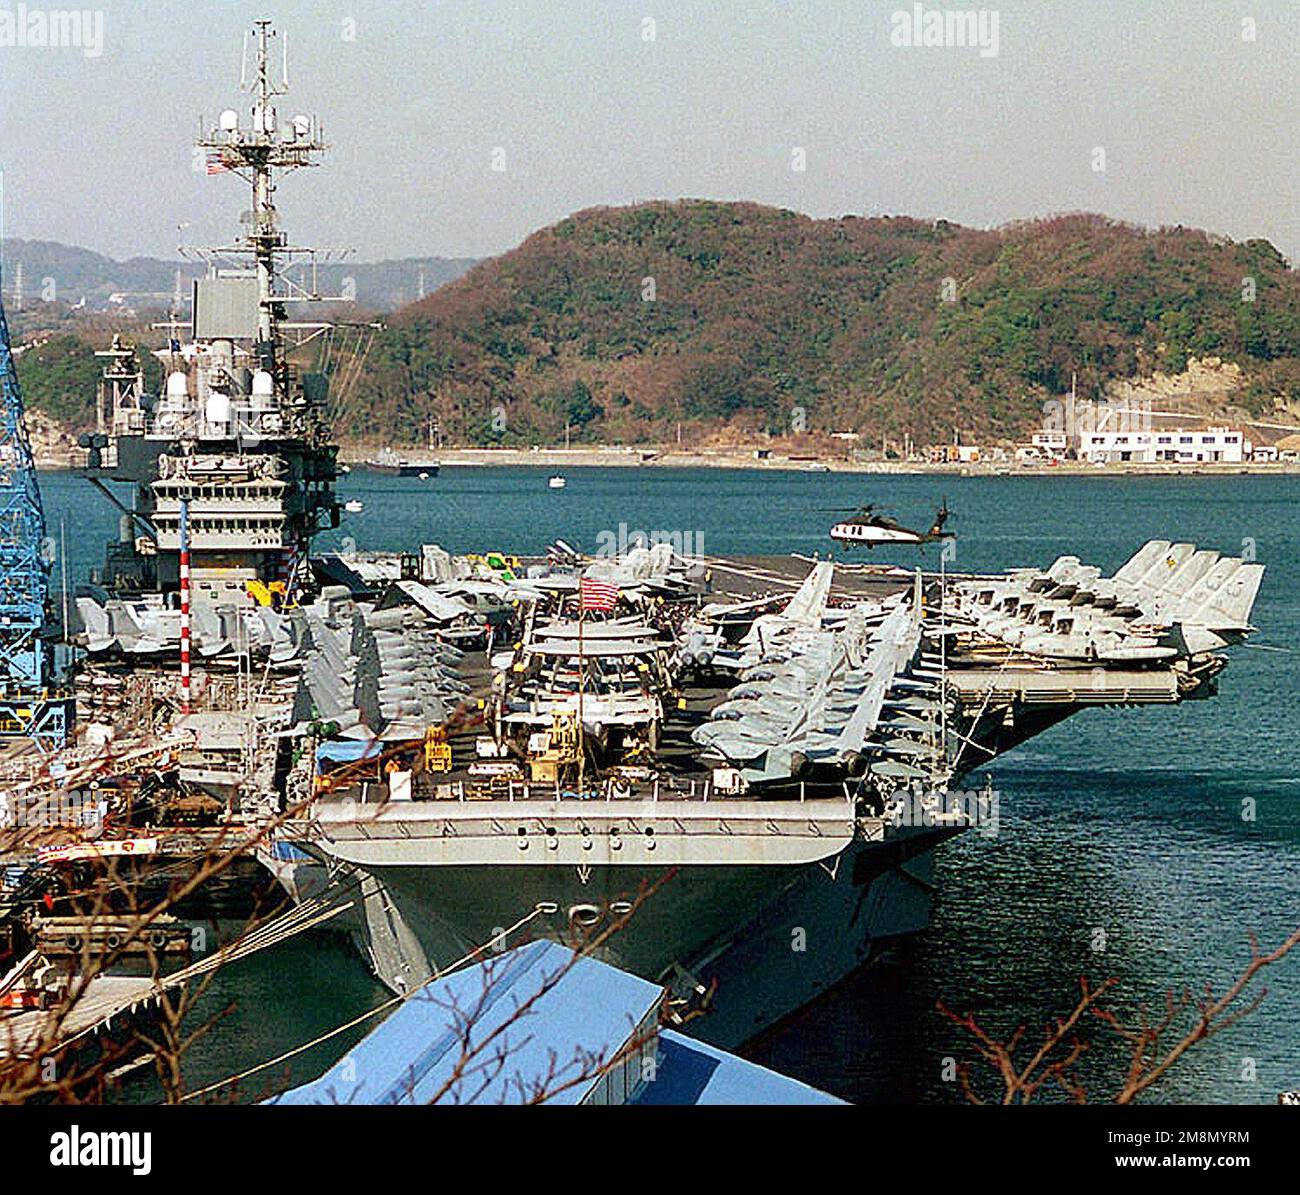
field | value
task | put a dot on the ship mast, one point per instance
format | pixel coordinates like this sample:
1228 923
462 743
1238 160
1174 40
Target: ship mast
255 151
263 234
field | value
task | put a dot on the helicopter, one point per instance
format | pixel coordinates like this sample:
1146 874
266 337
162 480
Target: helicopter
870 527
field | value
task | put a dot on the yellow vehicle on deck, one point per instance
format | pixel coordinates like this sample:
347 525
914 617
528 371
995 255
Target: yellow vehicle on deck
267 593
562 747
437 751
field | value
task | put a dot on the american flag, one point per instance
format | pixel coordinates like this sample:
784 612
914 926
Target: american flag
598 595
215 164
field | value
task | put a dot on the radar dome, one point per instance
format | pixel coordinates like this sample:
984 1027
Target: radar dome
217 409
178 385
229 122
263 384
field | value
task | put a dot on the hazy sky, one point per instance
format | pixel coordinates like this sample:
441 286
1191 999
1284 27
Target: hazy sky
1199 124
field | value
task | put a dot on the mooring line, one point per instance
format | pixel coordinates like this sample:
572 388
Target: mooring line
357 1020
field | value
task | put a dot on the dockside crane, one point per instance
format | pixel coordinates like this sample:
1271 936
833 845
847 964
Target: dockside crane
29 708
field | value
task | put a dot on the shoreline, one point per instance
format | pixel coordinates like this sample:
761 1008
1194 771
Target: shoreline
651 458
628 457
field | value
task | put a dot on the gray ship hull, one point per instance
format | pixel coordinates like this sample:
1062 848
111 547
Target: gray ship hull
764 940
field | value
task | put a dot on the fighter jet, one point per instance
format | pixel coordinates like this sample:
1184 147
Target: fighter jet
1168 600
818 710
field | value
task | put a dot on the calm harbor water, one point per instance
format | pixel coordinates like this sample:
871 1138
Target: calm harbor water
1122 849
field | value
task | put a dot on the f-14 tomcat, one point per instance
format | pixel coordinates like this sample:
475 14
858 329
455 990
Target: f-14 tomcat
1169 600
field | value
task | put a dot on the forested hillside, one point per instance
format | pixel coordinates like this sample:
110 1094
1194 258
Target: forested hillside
624 321
732 317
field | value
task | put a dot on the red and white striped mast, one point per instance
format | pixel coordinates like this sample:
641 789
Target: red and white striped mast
582 673
185 605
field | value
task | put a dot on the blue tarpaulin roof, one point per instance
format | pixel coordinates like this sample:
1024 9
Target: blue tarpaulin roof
585 1006
538 1016
346 750
691 1072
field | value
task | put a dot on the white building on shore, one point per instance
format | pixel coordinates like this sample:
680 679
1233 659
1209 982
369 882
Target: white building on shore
1052 443
1161 445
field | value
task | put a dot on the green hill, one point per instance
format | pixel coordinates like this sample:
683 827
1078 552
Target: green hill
736 318
59 376
625 321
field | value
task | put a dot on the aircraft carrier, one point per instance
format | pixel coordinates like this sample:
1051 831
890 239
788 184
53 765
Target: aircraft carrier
772 768
738 768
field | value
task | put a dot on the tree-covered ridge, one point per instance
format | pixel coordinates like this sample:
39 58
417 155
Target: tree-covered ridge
624 321
59 376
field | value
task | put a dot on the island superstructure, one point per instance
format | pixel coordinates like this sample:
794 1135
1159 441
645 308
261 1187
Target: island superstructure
239 435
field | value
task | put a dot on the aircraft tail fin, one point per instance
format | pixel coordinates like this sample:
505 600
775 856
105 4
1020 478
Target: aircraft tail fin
1160 568
809 602
940 518
1230 606
95 620
1183 579
1062 568
1136 565
1169 592
661 559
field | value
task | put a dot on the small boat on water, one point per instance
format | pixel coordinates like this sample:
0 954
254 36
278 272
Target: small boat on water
354 506
388 461
557 482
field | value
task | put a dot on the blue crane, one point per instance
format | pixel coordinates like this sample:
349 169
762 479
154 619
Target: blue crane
28 708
